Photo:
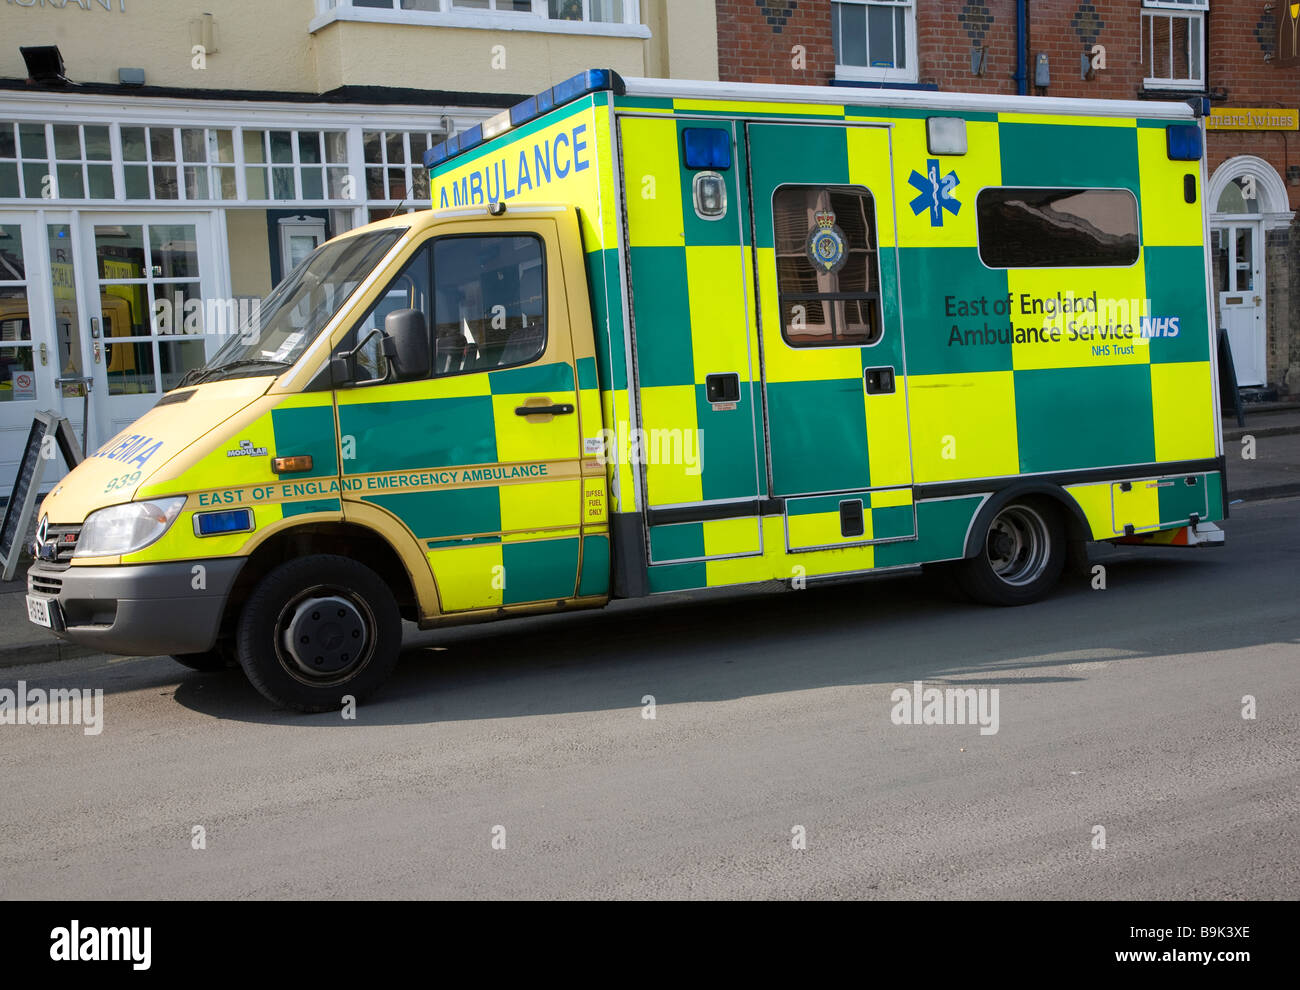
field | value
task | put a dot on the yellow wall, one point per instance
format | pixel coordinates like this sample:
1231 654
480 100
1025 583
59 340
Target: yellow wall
250 259
461 59
267 45
684 42
261 44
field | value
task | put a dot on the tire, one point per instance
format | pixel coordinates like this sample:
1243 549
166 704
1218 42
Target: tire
943 579
220 657
318 629
1021 557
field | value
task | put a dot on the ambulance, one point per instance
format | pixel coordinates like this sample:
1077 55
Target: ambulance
656 337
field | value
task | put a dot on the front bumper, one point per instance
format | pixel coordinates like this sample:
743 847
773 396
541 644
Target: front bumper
138 609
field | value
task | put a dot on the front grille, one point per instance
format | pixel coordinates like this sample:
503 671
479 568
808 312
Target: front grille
64 540
45 585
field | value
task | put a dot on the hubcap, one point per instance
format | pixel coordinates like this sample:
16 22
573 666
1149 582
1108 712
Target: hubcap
324 637
1018 545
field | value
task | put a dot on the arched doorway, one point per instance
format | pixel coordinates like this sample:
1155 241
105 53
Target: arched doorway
1247 199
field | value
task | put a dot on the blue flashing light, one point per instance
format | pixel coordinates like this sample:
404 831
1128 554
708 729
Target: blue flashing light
584 83
1183 142
591 81
471 138
521 113
228 521
707 148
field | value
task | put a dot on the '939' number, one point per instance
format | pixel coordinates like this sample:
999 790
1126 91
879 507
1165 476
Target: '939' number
122 482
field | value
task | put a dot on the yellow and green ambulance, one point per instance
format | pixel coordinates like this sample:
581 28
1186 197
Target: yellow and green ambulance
657 336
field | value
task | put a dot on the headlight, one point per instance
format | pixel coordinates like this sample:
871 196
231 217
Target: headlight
122 529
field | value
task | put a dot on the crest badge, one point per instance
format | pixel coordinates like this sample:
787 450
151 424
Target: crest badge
827 247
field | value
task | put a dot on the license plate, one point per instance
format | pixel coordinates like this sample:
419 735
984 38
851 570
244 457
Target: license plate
38 610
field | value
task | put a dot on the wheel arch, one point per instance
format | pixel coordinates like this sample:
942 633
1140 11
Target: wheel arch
360 543
1077 529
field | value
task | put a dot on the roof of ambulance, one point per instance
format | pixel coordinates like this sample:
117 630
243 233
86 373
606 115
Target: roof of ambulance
681 89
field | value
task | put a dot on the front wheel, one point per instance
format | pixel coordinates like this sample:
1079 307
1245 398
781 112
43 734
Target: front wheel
318 629
1021 559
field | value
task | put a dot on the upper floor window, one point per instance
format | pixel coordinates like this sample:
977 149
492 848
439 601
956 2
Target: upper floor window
590 11
1173 43
874 39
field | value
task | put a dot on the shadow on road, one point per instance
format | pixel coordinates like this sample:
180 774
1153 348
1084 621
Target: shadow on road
876 631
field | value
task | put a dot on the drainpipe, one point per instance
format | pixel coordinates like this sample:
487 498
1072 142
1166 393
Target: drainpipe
1022 67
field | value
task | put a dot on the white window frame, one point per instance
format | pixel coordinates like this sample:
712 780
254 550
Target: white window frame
445 13
1194 11
44 109
860 73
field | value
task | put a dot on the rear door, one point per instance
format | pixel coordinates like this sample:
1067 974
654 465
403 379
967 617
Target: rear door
698 418
830 332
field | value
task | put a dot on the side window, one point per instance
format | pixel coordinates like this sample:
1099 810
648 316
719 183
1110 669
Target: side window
490 302
827 271
409 290
1057 228
484 299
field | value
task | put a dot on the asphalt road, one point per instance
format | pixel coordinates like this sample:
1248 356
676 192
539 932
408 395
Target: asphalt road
1119 707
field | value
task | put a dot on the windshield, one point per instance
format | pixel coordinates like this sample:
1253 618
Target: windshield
290 318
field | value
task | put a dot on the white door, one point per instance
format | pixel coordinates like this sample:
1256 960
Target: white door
20 391
1238 269
156 314
299 237
33 338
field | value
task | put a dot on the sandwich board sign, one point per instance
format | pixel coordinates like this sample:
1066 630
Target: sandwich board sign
49 436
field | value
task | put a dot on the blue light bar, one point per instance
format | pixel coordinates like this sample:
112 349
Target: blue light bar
220 523
591 81
707 148
471 138
583 84
521 113
1183 142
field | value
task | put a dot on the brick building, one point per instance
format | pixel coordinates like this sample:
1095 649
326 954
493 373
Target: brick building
1239 53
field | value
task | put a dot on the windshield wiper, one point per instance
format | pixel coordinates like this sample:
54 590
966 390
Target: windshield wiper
202 374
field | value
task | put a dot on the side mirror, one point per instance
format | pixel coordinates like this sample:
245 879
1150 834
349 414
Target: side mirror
407 343
342 369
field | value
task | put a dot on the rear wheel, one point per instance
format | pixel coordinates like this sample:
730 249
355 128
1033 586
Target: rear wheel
318 629
1021 558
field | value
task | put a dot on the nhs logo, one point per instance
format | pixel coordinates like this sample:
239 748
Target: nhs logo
1159 326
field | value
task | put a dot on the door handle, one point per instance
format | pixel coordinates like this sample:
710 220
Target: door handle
560 410
879 381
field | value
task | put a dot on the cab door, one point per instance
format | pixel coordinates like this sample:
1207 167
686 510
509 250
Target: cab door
479 460
830 334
